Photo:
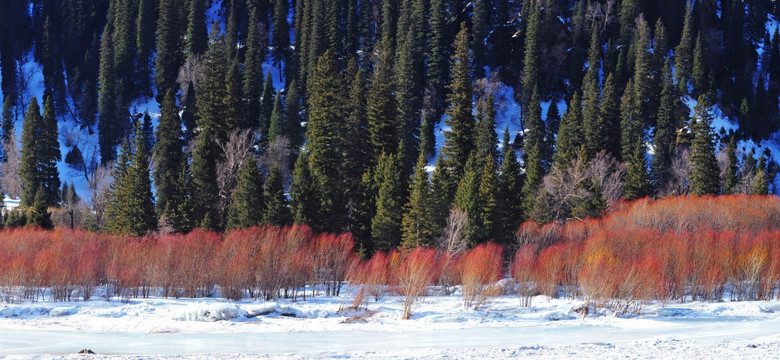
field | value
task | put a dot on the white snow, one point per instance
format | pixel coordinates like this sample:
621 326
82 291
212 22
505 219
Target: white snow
440 327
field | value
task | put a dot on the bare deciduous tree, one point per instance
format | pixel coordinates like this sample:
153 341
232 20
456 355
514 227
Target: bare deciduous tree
278 153
12 184
100 185
453 240
189 73
602 14
679 174
239 144
608 173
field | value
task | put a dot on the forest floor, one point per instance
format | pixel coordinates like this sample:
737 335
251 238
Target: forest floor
441 327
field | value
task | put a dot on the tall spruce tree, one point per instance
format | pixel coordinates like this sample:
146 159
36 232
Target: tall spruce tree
355 138
700 74
705 174
664 138
304 199
760 184
292 116
327 94
169 55
39 211
248 202
534 173
131 208
168 156
467 198
386 223
382 106
608 123
459 140
277 211
266 106
417 224
630 122
485 137
108 100
197 34
637 183
570 134
28 167
253 71
278 125
683 53
591 97
531 54
213 110
280 42
510 202
205 191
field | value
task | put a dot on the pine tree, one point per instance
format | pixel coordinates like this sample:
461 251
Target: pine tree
204 181
643 74
386 224
213 112
355 139
9 118
630 122
248 202
664 138
531 54
108 105
382 105
637 183
253 71
570 134
277 211
485 137
233 101
629 10
144 43
459 141
534 173
28 168
700 74
409 89
705 174
437 72
123 49
266 106
417 223
444 186
683 53
591 98
197 35
168 155
232 27
761 180
327 112
467 198
39 211
534 125
510 202
281 35
731 167
292 116
488 216
131 208
362 214
47 151
304 200
480 25
169 56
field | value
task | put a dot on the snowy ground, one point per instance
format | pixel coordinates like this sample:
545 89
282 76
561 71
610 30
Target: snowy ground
441 327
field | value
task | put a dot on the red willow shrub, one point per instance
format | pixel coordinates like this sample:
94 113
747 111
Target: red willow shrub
414 275
480 268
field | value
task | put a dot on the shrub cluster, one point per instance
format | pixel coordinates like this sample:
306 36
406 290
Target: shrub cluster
259 262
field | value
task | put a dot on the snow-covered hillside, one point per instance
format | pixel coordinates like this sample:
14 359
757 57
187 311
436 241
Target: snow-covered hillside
440 327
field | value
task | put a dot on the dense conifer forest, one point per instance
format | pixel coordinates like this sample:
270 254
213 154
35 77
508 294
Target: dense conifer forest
384 119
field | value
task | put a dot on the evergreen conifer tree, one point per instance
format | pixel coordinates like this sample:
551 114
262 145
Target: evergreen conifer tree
168 156
327 94
382 106
700 74
197 34
108 100
761 180
417 224
304 200
281 35
278 126
39 211
637 183
683 53
169 56
664 138
510 201
459 141
386 224
277 211
630 122
570 134
131 209
532 50
266 106
292 116
248 202
705 174
28 167
253 70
